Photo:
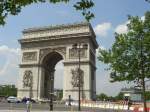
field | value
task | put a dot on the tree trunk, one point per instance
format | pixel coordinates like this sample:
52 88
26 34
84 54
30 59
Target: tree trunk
144 95
143 73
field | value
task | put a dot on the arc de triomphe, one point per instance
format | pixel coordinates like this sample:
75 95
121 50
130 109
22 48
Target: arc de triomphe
42 48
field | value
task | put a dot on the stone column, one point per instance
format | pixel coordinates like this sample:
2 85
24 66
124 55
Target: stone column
40 82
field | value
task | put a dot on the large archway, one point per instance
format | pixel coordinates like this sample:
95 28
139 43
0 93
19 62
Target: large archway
49 63
42 48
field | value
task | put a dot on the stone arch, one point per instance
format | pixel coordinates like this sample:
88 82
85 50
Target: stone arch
51 54
45 52
48 63
43 47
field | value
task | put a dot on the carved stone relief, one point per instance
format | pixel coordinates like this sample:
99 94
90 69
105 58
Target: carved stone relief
75 77
27 79
44 52
61 50
73 53
29 56
37 45
57 31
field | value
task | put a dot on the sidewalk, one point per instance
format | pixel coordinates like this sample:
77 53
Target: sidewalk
34 111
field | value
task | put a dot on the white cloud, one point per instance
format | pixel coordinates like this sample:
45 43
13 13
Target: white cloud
122 28
11 56
143 18
4 69
6 50
97 50
102 29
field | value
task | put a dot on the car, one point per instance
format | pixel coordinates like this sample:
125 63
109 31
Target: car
69 102
13 99
24 100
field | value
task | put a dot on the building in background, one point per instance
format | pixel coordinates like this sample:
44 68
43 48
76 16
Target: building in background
134 94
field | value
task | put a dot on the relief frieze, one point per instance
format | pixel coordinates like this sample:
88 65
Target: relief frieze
29 56
54 32
44 52
74 53
27 79
76 77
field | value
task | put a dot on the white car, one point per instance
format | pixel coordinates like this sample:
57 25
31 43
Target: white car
13 99
72 102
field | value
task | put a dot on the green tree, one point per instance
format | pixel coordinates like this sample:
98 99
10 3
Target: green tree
111 98
60 95
147 95
129 57
120 96
13 7
102 97
148 1
8 90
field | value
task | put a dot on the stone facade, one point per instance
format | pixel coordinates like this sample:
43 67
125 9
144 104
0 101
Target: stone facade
43 48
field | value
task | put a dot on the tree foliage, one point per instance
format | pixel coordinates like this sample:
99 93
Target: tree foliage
102 97
147 95
129 57
120 96
8 90
148 1
124 58
13 7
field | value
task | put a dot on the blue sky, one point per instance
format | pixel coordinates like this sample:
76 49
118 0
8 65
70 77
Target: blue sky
110 16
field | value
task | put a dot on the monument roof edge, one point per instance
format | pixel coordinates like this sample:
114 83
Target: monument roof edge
52 27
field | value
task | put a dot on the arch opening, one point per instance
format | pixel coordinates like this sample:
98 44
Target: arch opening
49 64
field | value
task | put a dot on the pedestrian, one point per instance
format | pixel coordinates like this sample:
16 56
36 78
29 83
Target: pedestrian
69 101
129 104
28 105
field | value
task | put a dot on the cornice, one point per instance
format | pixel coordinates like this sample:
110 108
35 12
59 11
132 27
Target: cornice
57 37
29 65
75 90
62 26
59 32
26 89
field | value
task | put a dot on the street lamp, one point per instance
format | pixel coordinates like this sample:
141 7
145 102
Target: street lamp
51 90
79 47
30 85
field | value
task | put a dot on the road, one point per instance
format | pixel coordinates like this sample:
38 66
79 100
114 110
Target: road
45 107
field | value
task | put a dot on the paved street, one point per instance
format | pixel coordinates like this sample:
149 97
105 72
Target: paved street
12 107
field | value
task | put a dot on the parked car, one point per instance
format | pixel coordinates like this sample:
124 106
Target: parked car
69 102
13 99
24 100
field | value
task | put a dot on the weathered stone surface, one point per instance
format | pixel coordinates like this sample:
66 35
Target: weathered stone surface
43 47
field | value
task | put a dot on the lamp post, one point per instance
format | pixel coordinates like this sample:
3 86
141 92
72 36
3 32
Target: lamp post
31 83
51 90
78 47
